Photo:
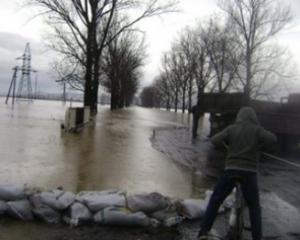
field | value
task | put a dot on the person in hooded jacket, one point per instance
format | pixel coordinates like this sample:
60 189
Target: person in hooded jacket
244 139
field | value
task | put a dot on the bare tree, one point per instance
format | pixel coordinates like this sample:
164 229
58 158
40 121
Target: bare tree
121 64
203 70
69 74
148 96
80 31
275 66
164 90
228 54
254 22
223 53
185 67
188 56
173 65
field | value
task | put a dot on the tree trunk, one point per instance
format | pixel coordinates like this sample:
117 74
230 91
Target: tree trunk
113 99
114 93
247 87
168 103
92 67
183 99
190 92
176 101
95 89
200 97
87 101
122 93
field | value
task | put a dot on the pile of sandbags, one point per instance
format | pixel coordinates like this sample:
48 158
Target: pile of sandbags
110 207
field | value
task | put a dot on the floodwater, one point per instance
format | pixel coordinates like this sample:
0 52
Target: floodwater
113 152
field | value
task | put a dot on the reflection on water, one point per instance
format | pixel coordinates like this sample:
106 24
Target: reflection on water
114 152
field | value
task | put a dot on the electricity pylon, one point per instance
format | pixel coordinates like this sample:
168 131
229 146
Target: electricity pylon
25 86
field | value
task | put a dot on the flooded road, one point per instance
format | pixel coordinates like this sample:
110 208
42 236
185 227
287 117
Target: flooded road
114 152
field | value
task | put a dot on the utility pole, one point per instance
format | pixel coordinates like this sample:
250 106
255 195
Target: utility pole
35 85
12 86
63 81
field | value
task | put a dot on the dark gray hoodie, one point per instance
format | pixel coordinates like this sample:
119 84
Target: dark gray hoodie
244 139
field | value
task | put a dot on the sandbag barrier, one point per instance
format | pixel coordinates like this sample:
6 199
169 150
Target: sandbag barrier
109 207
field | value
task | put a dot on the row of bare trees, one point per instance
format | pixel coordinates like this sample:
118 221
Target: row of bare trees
232 52
121 68
82 31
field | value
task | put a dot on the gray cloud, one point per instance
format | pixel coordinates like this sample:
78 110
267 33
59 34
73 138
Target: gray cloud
12 42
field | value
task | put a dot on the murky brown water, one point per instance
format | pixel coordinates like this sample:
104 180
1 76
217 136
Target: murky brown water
115 152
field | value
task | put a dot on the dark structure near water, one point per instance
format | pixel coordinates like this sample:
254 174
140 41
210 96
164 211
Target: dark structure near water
282 118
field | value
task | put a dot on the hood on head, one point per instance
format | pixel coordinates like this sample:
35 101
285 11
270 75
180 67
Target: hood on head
246 115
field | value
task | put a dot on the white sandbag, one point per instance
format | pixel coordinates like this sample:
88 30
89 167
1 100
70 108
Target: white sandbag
12 193
147 203
96 201
58 199
77 214
121 217
208 194
36 200
164 214
195 208
20 209
3 207
43 211
192 208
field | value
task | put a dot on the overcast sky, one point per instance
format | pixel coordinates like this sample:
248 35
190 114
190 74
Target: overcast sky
15 32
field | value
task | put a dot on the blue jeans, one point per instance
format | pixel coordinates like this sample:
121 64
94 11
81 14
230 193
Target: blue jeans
223 188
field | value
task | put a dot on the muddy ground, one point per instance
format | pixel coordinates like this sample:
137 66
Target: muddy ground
41 231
